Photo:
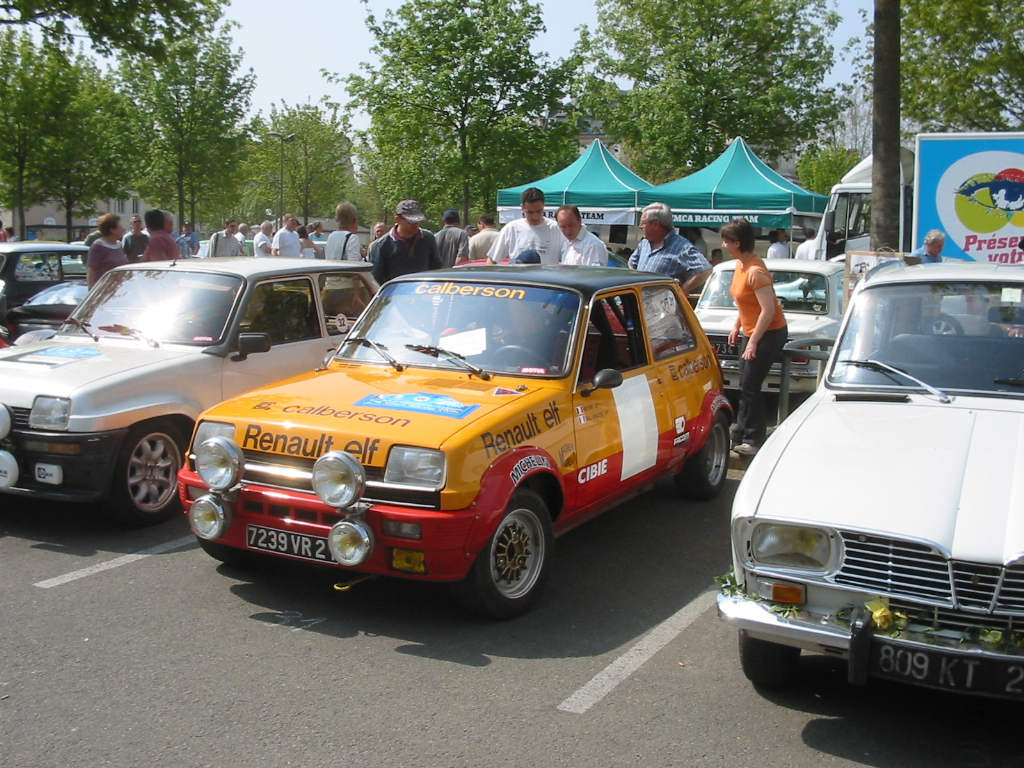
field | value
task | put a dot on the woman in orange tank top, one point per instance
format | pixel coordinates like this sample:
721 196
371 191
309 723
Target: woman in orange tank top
760 330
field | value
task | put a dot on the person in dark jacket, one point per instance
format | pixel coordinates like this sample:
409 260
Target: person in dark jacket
406 248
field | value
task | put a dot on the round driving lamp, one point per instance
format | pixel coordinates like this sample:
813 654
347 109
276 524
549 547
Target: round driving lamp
5 422
338 479
219 463
208 518
350 542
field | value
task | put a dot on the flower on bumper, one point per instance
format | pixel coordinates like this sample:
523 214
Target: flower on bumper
885 619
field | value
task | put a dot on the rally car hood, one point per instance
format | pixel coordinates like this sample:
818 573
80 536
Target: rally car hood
946 474
60 368
415 407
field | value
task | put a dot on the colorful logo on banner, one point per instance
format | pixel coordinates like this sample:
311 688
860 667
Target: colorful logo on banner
984 215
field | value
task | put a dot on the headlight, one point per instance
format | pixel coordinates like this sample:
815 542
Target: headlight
50 413
791 546
422 467
338 479
208 429
208 518
350 542
219 463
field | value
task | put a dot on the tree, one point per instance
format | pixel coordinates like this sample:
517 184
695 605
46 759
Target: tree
704 72
962 64
133 26
191 105
820 169
454 118
885 135
32 80
92 153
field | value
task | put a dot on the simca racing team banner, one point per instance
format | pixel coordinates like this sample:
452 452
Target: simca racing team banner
591 216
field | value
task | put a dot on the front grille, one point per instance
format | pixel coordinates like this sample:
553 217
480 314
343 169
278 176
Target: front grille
957 623
910 569
295 473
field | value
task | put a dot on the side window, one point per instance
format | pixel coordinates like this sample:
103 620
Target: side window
38 267
614 335
345 296
73 264
284 309
667 326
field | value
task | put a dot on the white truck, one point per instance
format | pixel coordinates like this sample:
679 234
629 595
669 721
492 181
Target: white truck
968 185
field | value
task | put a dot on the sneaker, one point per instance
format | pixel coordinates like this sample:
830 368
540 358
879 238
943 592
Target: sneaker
745 449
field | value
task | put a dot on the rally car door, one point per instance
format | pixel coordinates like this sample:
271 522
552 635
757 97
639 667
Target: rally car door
617 430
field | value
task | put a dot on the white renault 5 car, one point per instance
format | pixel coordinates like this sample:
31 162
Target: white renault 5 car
811 294
911 563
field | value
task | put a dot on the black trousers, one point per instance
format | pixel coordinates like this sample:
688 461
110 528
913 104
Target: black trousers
752 421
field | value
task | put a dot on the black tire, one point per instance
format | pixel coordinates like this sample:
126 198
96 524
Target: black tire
145 485
509 573
240 558
703 475
944 325
768 664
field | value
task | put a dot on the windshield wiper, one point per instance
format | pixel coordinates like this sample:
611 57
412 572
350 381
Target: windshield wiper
1010 382
433 351
380 349
135 333
874 365
84 326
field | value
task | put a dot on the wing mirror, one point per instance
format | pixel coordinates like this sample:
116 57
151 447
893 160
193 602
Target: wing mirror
606 378
251 344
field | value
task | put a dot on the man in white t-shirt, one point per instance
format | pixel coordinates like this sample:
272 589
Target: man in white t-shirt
579 246
343 244
778 248
262 244
807 248
286 240
532 232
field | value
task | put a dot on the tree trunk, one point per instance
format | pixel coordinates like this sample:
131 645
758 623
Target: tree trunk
885 139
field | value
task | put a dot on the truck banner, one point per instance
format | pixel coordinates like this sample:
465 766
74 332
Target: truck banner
971 186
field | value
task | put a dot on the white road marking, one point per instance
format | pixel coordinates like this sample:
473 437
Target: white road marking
115 563
605 681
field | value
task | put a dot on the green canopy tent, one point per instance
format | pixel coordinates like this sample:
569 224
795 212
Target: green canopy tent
602 188
737 183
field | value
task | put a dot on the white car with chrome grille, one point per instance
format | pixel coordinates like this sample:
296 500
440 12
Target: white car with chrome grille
911 564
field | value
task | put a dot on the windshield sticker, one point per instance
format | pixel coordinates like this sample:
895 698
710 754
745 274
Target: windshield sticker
502 392
420 402
1010 295
540 371
454 289
466 343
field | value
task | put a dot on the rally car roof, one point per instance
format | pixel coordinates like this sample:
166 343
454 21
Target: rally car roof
586 280
249 267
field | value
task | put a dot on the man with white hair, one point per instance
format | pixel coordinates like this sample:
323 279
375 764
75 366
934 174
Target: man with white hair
262 243
931 251
664 251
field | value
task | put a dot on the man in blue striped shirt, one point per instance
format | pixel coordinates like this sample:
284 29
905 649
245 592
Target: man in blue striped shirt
664 251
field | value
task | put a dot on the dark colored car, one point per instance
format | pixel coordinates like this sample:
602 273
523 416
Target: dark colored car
46 310
28 268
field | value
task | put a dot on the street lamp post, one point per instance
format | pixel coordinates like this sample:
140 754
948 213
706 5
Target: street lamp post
280 199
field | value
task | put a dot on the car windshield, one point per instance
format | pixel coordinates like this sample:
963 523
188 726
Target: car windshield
160 304
797 291
500 328
966 336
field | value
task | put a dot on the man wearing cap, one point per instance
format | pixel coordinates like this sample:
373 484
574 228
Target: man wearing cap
579 247
452 240
406 248
286 239
533 231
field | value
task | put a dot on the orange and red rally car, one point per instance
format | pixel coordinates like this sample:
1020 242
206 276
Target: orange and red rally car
469 417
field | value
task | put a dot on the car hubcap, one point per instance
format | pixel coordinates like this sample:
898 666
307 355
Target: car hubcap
152 472
516 554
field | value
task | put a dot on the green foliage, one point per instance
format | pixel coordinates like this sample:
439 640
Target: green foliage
458 104
132 26
704 72
820 169
191 107
962 64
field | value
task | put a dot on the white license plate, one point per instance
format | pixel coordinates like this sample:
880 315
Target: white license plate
284 543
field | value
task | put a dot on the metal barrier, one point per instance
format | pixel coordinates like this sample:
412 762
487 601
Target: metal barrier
813 348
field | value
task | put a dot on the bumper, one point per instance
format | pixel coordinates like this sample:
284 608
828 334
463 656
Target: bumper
60 466
812 632
443 542
799 380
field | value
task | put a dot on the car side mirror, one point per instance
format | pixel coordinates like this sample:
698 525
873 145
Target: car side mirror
606 378
1006 315
828 224
251 344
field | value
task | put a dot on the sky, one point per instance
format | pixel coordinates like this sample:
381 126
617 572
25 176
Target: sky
287 50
